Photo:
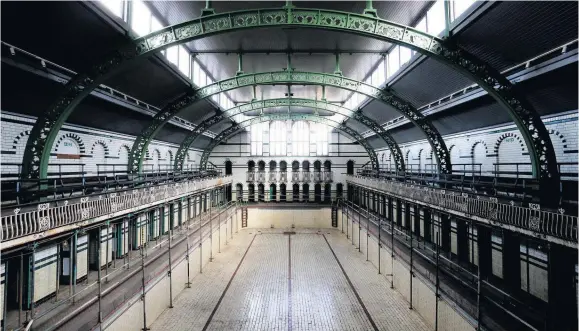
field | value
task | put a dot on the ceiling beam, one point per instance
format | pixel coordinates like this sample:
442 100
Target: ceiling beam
291 77
527 120
288 102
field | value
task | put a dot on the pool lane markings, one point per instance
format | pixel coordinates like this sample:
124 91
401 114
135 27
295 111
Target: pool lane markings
228 284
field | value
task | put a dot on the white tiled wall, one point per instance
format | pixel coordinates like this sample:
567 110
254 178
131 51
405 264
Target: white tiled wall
237 150
94 147
500 144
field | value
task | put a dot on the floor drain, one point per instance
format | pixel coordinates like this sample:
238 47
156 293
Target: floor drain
289 232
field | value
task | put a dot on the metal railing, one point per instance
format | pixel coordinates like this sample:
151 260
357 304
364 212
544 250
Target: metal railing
274 176
16 223
260 176
530 218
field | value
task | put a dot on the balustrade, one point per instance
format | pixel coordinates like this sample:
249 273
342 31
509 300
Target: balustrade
306 177
317 176
37 218
251 176
296 176
532 218
260 176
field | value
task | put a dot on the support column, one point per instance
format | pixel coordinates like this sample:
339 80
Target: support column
407 219
445 232
427 224
416 220
511 261
462 240
484 251
562 311
398 212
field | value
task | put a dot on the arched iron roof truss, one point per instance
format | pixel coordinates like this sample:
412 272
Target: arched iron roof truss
528 121
289 77
230 131
290 102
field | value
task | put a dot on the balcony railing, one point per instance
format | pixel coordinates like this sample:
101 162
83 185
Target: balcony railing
328 176
260 176
296 176
251 176
530 218
317 176
38 218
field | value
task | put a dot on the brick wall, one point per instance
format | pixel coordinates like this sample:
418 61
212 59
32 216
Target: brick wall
82 145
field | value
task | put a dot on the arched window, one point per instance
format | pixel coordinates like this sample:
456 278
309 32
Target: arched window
339 190
350 167
296 192
320 137
282 192
277 138
301 139
256 137
228 167
295 166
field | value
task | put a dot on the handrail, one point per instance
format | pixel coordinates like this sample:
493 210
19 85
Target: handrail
531 218
47 216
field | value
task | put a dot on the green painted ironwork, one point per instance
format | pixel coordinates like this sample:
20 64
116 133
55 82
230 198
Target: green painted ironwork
223 135
141 144
528 121
287 102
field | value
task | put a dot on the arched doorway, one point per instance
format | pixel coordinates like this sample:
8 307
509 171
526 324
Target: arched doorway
306 165
318 193
339 190
251 166
282 192
327 165
261 166
328 193
272 192
350 167
260 192
251 193
228 167
272 165
306 193
283 166
239 192
296 192
295 166
317 166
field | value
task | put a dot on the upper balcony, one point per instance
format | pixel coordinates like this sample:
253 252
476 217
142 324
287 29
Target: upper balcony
36 220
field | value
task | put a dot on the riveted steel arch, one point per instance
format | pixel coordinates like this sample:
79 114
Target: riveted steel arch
291 77
223 135
285 102
528 121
